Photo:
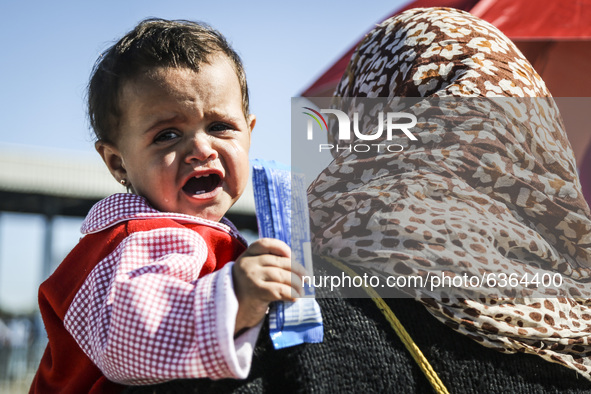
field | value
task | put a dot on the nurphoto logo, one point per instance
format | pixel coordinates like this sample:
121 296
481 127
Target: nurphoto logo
393 121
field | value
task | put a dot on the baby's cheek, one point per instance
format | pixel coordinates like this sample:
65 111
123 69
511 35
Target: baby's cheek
168 159
240 147
237 154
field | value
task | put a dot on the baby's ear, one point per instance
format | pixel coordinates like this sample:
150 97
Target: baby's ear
252 120
112 158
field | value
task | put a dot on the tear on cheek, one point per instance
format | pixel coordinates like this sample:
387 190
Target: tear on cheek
239 149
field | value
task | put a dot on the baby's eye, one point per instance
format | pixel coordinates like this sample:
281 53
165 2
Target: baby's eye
166 135
220 128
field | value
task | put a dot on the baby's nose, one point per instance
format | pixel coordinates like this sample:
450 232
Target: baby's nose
201 149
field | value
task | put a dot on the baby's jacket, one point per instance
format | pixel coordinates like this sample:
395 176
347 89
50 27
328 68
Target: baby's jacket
144 297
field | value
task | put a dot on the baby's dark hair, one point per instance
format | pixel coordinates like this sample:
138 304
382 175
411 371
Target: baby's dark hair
152 43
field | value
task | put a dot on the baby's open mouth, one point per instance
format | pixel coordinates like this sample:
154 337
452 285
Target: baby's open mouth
202 184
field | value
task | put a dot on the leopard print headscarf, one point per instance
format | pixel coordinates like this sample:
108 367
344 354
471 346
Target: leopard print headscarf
482 194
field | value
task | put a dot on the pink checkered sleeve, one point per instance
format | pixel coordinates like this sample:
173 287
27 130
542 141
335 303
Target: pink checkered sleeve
143 316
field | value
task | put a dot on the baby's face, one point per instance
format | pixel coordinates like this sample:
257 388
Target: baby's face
184 138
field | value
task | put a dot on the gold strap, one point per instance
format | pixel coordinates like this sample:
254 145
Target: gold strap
412 347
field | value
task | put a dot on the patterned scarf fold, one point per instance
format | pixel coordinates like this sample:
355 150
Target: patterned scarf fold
489 187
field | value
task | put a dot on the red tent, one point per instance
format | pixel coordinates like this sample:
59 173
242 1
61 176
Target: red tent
556 38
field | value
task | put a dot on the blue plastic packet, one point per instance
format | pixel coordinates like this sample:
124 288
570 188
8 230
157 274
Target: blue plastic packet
282 212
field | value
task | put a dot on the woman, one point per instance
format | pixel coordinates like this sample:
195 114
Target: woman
489 190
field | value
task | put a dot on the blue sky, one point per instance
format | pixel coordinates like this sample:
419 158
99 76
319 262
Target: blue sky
49 48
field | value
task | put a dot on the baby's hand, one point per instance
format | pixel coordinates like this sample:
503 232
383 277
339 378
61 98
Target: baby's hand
262 274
